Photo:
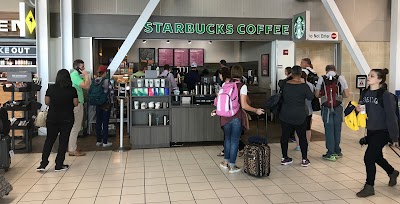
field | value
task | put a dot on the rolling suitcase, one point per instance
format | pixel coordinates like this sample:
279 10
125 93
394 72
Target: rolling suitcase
5 158
257 156
5 187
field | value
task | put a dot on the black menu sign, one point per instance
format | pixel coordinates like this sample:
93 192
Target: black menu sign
165 56
147 55
197 56
181 57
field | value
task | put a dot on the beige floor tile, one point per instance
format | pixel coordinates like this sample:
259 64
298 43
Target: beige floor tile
30 202
132 190
292 188
154 174
156 189
85 193
208 201
280 198
358 201
345 194
303 197
45 181
384 200
107 200
283 181
333 186
196 179
334 202
104 192
178 187
270 190
93 178
226 193
134 182
89 185
169 174
181 196
176 180
128 199
111 184
113 177
310 187
58 201
216 178
82 200
76 179
263 182
258 199
65 186
233 200
155 181
40 196
249 191
24 189
157 197
179 202
200 186
324 195
42 187
206 194
221 185
195 172
134 176
242 183
12 198
54 195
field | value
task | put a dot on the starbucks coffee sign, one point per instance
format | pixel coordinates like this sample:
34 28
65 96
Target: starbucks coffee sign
216 28
301 26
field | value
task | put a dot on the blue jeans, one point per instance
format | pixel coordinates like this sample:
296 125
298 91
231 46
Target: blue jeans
333 127
102 118
232 131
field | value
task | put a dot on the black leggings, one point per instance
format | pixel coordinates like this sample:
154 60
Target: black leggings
287 131
377 139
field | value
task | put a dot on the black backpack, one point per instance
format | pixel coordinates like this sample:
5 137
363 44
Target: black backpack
312 77
379 96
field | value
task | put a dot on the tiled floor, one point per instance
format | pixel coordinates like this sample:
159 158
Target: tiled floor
192 175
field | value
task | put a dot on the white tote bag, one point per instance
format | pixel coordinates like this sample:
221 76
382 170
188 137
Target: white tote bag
40 120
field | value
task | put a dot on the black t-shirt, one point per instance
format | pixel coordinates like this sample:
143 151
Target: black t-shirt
294 103
61 102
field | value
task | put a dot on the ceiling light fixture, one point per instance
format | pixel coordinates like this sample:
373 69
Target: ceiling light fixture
189 42
168 41
210 42
144 41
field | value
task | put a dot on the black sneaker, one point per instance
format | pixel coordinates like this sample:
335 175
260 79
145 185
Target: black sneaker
366 191
393 178
305 163
63 168
286 161
41 168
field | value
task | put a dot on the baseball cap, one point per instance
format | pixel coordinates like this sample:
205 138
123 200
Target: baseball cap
194 65
102 69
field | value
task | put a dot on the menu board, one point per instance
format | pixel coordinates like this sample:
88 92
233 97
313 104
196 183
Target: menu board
181 57
147 55
197 56
165 56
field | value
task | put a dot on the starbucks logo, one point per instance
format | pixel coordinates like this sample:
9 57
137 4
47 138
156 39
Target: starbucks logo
299 27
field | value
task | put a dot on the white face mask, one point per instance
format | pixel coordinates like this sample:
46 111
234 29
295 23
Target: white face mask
331 73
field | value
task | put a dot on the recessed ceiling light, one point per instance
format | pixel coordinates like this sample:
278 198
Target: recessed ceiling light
144 41
168 41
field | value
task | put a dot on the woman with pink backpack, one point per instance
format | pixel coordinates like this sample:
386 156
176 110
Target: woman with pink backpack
231 101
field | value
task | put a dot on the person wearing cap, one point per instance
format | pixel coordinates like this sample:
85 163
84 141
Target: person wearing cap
192 77
103 111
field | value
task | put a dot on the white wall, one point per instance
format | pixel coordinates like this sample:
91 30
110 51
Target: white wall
82 50
283 61
213 53
252 51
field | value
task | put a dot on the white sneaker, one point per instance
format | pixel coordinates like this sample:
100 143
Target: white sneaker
99 144
109 144
234 169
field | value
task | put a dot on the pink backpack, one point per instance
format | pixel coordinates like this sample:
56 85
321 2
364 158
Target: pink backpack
227 101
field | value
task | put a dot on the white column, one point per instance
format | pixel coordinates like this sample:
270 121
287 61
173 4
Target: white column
42 47
132 36
394 81
67 33
348 38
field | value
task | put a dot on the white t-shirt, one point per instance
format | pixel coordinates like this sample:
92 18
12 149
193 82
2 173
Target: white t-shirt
341 80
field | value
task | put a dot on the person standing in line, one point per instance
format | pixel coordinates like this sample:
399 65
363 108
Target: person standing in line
192 77
170 77
141 72
382 127
309 111
293 115
222 65
79 84
225 76
61 99
332 88
233 125
103 111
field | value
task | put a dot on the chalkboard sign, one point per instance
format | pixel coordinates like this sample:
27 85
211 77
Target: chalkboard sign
147 55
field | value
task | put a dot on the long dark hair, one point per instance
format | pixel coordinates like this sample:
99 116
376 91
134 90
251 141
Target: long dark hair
63 79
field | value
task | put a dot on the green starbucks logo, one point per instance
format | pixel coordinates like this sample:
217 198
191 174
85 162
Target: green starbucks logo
299 27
